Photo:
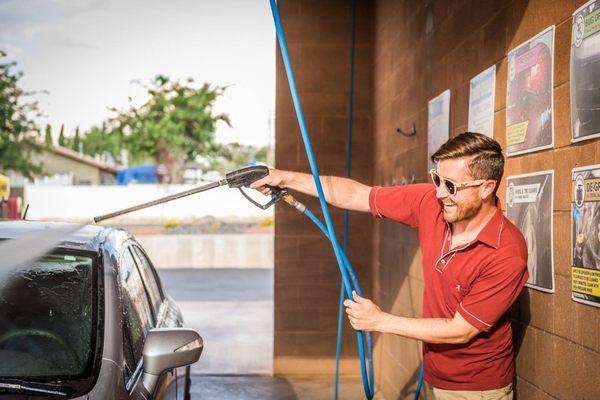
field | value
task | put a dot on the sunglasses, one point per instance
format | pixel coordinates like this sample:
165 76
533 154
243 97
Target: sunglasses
450 184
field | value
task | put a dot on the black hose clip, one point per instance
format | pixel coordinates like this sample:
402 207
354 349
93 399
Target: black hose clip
277 194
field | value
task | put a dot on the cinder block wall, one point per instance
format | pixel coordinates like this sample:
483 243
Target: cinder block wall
422 48
307 280
419 49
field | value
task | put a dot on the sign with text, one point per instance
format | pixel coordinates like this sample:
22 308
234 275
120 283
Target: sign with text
585 72
529 207
481 102
438 124
529 115
585 238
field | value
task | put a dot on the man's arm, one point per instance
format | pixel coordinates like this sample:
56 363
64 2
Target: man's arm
340 192
366 315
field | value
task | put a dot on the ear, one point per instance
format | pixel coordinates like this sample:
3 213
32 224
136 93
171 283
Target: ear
487 189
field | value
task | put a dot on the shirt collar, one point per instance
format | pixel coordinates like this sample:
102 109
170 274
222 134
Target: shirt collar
490 234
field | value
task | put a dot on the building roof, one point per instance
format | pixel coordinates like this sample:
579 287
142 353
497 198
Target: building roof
83 158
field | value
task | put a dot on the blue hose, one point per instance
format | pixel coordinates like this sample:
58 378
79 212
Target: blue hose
313 166
338 344
354 279
345 261
348 175
340 323
419 382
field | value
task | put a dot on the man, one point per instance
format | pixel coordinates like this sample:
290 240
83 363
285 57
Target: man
474 264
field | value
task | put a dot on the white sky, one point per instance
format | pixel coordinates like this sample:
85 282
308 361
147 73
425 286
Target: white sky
87 52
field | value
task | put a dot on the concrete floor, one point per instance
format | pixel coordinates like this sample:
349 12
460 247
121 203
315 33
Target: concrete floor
273 388
233 311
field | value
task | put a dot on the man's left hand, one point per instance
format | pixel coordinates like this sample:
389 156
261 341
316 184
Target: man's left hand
364 315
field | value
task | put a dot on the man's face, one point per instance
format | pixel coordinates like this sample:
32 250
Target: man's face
467 201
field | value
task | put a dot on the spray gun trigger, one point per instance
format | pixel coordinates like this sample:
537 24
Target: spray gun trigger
277 194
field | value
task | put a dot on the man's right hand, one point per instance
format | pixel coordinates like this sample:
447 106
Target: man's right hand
275 178
341 192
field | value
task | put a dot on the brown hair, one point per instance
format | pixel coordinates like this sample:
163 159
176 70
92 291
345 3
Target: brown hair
487 161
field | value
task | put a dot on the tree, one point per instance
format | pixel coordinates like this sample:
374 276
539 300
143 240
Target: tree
76 140
98 141
61 136
175 125
235 155
48 137
18 132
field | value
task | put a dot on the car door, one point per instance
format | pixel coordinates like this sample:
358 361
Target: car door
138 318
151 281
172 387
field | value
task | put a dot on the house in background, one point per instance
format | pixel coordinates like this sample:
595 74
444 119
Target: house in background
66 167
83 169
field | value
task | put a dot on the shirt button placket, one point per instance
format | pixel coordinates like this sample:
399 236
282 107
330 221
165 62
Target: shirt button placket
443 264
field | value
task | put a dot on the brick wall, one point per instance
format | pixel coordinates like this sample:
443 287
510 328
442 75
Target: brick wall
422 48
307 280
418 49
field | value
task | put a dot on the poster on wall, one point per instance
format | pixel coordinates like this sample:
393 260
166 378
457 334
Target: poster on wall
530 198
585 237
481 102
438 124
529 116
585 72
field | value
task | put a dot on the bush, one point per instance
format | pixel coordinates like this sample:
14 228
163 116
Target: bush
267 221
171 223
215 227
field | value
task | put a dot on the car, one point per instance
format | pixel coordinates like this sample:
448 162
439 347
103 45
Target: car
91 320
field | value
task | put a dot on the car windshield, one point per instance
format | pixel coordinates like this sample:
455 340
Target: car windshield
47 318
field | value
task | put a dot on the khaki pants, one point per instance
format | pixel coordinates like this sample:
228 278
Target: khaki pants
505 393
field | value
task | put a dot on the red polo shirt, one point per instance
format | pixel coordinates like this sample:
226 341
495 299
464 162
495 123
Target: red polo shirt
479 280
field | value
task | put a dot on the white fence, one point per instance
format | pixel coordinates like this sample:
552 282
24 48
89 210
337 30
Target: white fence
82 202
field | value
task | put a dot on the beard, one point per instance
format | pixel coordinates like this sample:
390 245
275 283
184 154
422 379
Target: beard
460 211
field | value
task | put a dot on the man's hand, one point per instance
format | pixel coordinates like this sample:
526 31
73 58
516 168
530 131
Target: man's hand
364 315
340 192
275 178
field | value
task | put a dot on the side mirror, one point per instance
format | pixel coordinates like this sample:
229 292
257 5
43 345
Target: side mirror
168 348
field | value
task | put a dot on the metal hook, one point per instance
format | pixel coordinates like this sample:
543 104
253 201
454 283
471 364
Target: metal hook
411 133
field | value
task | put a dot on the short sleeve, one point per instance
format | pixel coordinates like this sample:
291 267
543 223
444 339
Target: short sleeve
402 204
493 292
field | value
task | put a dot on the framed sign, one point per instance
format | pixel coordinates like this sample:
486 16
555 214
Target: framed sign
529 95
585 237
482 92
530 204
438 124
585 72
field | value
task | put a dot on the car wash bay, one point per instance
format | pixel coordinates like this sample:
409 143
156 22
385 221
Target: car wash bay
407 53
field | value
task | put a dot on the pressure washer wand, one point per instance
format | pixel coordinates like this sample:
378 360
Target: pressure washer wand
235 179
160 201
